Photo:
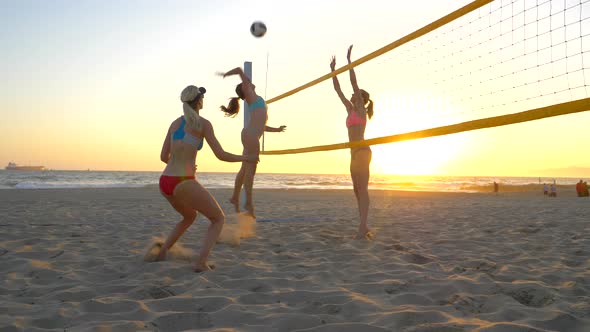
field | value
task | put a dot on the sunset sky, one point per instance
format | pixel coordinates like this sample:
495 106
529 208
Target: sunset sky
95 84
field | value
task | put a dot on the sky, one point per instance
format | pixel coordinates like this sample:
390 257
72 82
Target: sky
91 84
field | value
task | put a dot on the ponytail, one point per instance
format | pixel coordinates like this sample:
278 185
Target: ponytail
233 108
367 99
193 120
190 97
370 109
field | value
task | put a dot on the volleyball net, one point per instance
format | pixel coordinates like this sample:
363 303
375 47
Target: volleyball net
487 64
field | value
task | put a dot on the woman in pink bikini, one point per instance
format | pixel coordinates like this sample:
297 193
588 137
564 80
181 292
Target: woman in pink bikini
178 184
359 107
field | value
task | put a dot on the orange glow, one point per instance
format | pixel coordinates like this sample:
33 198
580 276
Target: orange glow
418 157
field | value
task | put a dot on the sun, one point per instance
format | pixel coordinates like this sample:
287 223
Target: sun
426 156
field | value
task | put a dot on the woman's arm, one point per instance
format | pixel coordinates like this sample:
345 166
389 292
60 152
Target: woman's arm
358 102
355 86
165 153
218 150
343 99
249 94
236 71
275 130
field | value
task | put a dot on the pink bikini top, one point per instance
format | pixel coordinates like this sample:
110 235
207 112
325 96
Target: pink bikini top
354 119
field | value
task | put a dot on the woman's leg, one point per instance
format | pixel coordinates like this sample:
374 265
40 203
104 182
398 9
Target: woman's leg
360 173
235 199
188 217
251 144
250 171
193 195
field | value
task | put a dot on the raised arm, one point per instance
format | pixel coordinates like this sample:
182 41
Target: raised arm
247 86
218 150
355 86
345 101
358 102
236 71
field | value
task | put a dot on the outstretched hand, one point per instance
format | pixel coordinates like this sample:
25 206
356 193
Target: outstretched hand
333 63
220 73
348 54
282 128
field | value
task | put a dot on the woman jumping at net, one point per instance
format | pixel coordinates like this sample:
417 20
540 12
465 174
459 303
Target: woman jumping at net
178 184
250 134
358 108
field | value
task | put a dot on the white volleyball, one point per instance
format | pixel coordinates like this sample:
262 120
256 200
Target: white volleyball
258 29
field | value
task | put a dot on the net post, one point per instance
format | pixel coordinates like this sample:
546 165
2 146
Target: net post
248 72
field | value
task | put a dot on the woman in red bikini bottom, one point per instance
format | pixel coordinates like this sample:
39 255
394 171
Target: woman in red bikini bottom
178 184
359 107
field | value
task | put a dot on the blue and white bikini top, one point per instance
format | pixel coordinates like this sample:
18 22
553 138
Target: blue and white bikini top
180 135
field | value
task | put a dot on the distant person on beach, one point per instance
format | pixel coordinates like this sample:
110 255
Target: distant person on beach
496 187
177 182
358 108
582 189
553 192
545 189
250 134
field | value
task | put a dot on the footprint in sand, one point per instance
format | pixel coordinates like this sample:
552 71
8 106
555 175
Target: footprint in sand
531 296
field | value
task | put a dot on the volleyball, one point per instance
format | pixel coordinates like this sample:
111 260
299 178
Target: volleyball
258 29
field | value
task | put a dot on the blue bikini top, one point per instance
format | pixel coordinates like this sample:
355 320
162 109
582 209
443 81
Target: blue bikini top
259 103
180 135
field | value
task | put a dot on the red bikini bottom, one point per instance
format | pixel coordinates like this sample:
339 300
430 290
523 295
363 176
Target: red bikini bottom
168 183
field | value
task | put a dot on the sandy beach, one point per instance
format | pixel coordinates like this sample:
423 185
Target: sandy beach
72 260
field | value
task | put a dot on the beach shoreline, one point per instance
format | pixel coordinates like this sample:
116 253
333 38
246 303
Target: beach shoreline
223 180
519 261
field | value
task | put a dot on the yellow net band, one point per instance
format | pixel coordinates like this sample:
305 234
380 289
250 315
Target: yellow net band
530 115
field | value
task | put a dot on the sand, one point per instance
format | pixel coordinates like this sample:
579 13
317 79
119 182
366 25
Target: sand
73 260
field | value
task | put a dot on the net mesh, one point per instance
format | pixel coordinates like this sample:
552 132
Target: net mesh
491 59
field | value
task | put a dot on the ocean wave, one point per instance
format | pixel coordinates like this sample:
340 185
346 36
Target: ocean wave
123 179
318 184
46 185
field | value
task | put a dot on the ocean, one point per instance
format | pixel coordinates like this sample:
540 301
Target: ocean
53 179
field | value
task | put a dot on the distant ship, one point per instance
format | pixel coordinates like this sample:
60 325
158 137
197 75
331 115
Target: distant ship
15 167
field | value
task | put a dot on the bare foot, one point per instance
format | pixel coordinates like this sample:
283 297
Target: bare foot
161 255
236 204
366 235
155 253
250 210
200 267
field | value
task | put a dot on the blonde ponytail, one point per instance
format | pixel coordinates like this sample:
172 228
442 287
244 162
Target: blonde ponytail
189 97
193 120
